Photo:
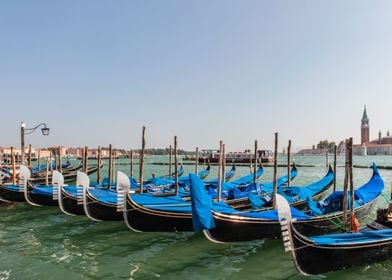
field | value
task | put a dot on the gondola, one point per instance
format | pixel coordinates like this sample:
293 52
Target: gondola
15 192
43 195
69 175
46 195
70 198
330 252
40 174
149 213
163 185
42 168
101 204
184 190
231 226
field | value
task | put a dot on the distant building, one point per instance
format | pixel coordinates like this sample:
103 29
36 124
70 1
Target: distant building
379 146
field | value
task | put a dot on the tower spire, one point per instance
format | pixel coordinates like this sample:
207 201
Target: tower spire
365 127
365 119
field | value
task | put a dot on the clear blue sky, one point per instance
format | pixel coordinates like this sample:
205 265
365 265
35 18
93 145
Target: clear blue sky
97 71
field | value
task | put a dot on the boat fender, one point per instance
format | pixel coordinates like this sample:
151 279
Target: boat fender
354 224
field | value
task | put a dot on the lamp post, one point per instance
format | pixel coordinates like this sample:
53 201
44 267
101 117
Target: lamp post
25 131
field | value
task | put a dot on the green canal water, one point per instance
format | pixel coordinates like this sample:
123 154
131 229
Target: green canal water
43 243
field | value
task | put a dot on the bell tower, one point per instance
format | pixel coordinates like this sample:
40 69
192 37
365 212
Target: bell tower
364 127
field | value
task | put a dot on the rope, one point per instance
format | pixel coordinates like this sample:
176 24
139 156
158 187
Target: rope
339 224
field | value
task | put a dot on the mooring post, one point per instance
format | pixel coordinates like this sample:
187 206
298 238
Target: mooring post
141 160
175 165
13 166
345 185
289 164
29 161
350 162
113 168
223 176
99 165
131 163
83 159
51 162
39 160
275 171
110 165
54 155
86 153
60 161
334 167
255 164
170 161
220 169
47 171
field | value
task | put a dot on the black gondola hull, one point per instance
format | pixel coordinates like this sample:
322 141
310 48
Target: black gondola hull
313 259
233 229
70 204
103 211
43 200
11 195
40 199
144 219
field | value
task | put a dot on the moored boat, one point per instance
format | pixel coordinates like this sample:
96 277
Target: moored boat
230 225
146 212
329 252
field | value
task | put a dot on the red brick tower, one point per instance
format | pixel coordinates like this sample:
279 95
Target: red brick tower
364 128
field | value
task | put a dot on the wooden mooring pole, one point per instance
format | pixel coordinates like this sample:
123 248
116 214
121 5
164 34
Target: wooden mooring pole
289 164
86 159
255 164
345 185
83 160
39 160
220 170
334 167
170 161
99 165
13 166
223 164
275 171
131 163
29 160
110 165
54 154
51 162
47 171
141 160
175 165
60 160
350 162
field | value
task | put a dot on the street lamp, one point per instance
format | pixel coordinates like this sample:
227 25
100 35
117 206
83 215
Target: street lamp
25 131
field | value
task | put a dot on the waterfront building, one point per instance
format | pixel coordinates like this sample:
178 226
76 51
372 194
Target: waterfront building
380 146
